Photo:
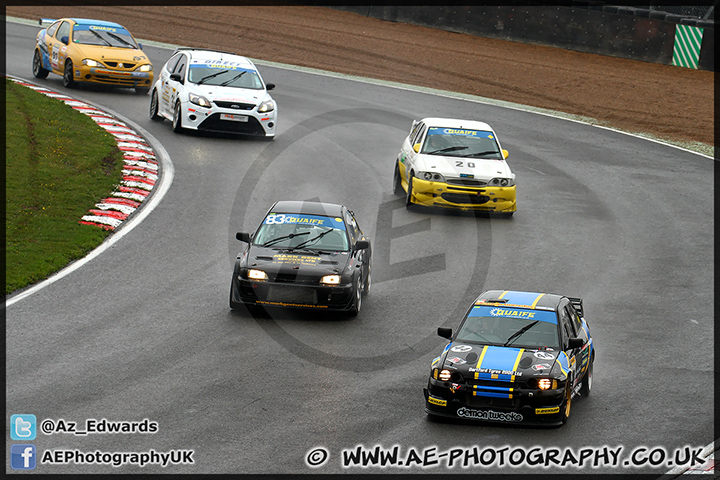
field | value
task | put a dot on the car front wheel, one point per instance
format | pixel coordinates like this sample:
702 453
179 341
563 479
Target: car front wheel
154 107
409 195
177 119
68 79
37 68
397 181
586 385
357 303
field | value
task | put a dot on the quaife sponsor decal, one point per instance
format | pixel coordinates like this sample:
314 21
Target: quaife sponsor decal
437 401
545 411
490 415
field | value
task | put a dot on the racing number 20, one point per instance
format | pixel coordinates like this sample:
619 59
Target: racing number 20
460 163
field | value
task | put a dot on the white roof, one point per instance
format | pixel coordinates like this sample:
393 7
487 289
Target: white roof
455 123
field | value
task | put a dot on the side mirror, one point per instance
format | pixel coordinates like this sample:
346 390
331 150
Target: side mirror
416 147
270 86
576 342
243 237
506 154
176 77
139 45
445 332
361 244
64 39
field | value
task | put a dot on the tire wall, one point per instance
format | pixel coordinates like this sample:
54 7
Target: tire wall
635 34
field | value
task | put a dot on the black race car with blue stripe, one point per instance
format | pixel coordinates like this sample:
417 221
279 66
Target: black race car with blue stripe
306 255
516 358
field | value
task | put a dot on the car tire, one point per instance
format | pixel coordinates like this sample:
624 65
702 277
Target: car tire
142 90
357 303
177 119
397 181
586 385
565 407
368 281
154 107
68 79
409 194
37 68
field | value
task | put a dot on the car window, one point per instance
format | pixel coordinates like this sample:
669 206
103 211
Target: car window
290 230
180 67
567 325
575 319
224 75
354 230
52 28
500 325
415 129
461 142
106 36
418 135
170 65
63 31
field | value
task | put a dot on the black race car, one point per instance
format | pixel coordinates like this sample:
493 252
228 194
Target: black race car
303 255
517 358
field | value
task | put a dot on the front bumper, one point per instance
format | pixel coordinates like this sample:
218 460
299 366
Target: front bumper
226 120
440 194
526 406
293 295
110 76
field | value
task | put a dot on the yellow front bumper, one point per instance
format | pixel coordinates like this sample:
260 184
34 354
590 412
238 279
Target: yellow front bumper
110 76
439 194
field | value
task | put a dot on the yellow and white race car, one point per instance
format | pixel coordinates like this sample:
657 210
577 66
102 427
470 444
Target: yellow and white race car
455 164
94 51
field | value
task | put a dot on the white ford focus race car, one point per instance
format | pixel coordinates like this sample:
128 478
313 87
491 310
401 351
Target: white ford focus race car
213 91
456 164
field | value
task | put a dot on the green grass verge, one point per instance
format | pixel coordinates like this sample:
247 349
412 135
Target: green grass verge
58 164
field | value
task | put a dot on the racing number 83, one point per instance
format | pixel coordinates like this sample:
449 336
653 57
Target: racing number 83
275 219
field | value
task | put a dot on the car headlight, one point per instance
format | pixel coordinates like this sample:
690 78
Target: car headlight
502 182
145 68
547 383
199 100
90 63
258 275
445 375
431 176
266 106
330 280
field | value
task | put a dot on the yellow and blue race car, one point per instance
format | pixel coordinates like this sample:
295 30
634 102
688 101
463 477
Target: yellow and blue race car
516 358
94 51
454 164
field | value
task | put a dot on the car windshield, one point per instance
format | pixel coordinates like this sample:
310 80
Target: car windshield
461 143
510 326
103 36
224 75
295 231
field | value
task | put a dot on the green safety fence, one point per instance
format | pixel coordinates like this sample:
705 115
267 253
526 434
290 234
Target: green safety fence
688 41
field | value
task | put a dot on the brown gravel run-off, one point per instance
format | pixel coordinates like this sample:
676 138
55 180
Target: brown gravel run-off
672 103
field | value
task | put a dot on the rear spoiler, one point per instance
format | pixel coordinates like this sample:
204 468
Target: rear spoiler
578 304
46 21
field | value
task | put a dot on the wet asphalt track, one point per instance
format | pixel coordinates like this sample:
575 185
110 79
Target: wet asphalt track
144 330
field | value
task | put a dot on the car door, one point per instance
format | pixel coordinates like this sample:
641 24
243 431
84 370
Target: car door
362 257
568 332
170 87
58 46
